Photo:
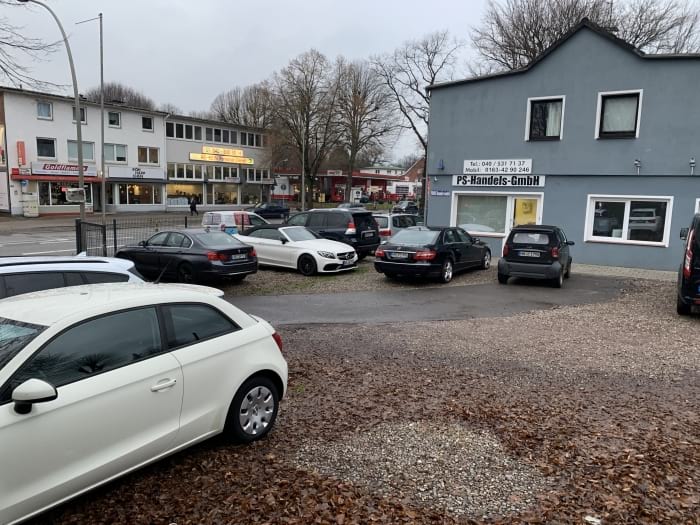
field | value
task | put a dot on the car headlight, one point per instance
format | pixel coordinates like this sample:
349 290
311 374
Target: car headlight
327 255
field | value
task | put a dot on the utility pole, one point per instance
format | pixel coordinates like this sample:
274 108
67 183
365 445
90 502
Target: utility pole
303 170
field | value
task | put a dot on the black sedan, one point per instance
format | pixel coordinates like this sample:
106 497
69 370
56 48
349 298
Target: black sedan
405 207
192 255
271 211
431 252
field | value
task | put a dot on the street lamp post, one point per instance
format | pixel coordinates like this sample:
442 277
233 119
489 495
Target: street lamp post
78 120
303 174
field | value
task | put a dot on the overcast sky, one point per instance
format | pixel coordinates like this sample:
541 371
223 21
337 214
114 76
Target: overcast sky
187 52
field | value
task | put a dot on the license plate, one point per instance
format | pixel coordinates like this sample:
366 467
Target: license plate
529 254
368 234
399 255
239 256
347 263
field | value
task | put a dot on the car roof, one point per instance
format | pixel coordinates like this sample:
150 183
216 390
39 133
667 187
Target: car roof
340 210
430 228
536 227
78 262
48 307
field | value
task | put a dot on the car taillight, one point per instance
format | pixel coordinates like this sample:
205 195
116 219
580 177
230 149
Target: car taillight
688 260
379 252
216 256
385 233
555 253
424 255
278 340
222 227
506 250
252 253
351 230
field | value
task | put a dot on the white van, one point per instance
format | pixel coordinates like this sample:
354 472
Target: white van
232 221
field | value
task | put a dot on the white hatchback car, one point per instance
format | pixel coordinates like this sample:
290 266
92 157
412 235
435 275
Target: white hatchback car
92 384
300 248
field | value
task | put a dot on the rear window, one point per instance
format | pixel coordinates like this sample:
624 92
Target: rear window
336 220
211 218
363 220
531 238
16 284
382 222
415 237
217 239
104 277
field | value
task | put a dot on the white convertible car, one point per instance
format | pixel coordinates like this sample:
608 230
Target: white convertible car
297 247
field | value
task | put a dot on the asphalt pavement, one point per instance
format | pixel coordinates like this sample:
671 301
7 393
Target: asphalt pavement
428 304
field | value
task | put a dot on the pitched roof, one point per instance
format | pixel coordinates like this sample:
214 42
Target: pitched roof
584 23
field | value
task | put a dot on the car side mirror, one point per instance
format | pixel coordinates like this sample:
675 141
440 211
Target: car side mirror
684 233
475 240
570 243
142 243
283 240
30 392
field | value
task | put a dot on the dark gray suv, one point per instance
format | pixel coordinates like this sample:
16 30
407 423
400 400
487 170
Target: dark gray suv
353 226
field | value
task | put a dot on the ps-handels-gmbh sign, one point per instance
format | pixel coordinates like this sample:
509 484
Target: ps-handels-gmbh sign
498 172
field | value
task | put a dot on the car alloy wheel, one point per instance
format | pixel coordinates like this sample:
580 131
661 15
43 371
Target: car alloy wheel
307 265
446 274
253 411
184 273
486 261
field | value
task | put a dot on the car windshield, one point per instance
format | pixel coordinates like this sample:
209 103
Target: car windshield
216 239
531 238
415 237
14 336
299 233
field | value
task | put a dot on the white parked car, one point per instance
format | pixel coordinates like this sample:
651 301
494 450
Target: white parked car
232 221
92 384
300 248
20 275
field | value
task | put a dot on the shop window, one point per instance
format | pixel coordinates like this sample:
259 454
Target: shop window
57 194
545 118
44 194
209 133
88 150
114 119
140 193
148 155
630 220
188 131
83 117
46 148
170 130
147 123
180 194
115 153
44 110
179 131
223 194
198 133
482 213
618 114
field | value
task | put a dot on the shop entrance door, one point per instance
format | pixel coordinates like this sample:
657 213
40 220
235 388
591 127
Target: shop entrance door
524 211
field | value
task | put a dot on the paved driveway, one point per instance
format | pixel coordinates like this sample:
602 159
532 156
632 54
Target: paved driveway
427 304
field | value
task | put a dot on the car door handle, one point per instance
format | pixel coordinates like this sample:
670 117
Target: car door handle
163 385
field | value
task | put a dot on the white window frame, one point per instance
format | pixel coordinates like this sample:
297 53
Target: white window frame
148 156
50 117
530 100
54 148
510 203
153 124
114 148
85 159
627 199
120 119
83 110
598 114
697 205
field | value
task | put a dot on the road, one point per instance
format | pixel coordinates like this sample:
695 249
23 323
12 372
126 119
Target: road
58 241
427 304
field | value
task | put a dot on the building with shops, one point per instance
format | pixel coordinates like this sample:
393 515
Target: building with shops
39 154
593 136
221 164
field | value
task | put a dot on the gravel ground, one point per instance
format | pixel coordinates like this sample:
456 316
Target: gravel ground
553 417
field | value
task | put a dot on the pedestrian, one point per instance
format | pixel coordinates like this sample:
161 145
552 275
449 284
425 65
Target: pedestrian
193 206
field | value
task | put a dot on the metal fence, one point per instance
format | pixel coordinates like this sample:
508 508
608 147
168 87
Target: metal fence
106 239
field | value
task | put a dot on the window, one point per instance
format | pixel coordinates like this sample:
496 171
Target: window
170 130
225 136
171 170
94 347
53 193
297 220
618 114
531 238
463 236
482 213
147 123
83 117
88 150
158 239
234 137
46 148
190 323
73 278
198 133
104 277
179 131
217 135
251 139
44 110
258 141
450 237
114 118
177 240
544 119
16 284
115 153
188 131
244 138
148 155
209 133
632 220
139 194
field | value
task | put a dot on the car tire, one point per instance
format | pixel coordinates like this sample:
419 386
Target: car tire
558 282
361 256
681 307
486 260
185 273
253 411
306 265
567 274
502 278
447 271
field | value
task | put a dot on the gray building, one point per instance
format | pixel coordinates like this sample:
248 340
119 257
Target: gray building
221 164
594 136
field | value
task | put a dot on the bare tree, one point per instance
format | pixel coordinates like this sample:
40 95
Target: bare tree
167 107
201 114
15 47
305 99
409 160
515 32
118 92
249 106
366 112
